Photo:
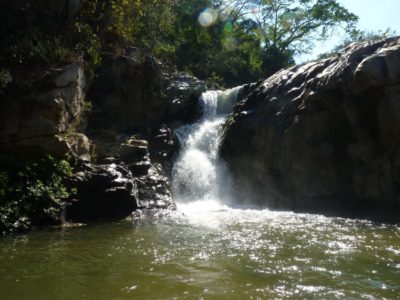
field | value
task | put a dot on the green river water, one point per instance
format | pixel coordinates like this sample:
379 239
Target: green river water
206 251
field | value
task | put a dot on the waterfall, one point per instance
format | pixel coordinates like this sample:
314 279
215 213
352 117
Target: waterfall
198 174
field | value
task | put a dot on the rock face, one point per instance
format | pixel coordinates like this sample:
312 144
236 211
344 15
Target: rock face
135 105
322 137
124 146
41 122
154 187
155 190
182 93
134 94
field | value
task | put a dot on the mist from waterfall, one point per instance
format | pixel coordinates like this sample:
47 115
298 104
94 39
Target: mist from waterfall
198 174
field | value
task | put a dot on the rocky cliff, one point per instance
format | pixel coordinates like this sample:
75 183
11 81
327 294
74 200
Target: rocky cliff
116 127
45 120
323 136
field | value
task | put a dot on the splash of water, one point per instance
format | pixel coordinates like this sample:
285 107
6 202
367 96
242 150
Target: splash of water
198 174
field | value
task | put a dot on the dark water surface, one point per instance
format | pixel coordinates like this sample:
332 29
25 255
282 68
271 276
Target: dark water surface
206 251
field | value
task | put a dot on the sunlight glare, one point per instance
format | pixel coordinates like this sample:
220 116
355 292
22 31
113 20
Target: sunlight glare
208 17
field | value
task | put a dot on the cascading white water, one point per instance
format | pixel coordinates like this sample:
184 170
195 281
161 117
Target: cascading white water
198 174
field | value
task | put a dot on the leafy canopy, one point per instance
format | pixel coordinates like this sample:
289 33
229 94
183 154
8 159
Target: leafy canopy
291 25
245 40
285 28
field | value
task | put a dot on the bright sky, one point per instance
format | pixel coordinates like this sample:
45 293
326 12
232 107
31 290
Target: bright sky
373 15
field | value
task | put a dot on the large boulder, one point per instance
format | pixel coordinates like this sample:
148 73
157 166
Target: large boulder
155 190
182 93
105 192
44 121
323 136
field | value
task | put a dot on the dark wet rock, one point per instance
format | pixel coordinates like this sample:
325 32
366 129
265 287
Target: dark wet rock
134 150
135 153
322 137
183 92
155 190
140 168
153 186
105 192
164 148
133 94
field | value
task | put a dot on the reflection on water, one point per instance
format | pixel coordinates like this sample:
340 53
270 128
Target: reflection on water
206 250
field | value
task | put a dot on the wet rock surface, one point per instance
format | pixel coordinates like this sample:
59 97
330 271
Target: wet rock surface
163 148
322 137
136 103
155 190
124 143
183 92
105 192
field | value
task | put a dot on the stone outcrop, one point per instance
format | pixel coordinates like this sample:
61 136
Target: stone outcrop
154 187
105 192
182 92
134 94
43 121
323 136
155 190
116 186
125 159
136 102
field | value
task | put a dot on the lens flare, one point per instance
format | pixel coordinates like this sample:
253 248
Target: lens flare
228 27
208 17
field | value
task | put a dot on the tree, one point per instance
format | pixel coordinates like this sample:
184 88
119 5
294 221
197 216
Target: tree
237 41
286 28
358 36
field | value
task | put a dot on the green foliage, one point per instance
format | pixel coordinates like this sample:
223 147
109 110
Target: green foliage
224 51
5 78
87 106
286 28
359 36
31 192
247 41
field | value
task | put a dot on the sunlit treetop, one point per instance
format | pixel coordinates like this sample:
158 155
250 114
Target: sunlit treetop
290 25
